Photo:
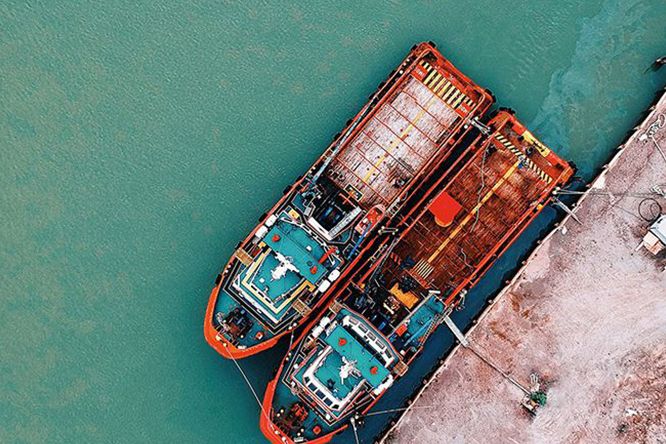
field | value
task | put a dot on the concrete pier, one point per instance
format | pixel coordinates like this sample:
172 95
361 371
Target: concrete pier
586 316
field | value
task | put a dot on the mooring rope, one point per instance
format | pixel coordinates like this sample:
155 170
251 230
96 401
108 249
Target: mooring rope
481 188
464 255
654 207
401 409
353 423
247 381
291 340
605 193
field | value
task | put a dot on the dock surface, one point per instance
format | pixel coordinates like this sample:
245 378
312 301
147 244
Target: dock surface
586 314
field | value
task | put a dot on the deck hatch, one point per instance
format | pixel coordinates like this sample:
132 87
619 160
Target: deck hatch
445 208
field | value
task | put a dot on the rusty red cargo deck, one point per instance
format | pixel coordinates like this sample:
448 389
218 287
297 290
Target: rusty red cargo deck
379 321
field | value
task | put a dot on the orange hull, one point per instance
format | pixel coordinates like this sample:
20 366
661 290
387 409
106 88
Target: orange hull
221 344
271 431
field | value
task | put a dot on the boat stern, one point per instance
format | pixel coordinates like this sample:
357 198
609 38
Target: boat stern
220 343
276 435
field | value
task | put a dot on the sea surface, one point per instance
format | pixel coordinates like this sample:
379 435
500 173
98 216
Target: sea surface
141 140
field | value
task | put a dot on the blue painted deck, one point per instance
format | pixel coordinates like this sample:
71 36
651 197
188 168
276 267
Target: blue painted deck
353 350
297 245
274 290
422 319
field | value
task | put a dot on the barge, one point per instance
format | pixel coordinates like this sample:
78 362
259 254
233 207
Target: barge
291 262
379 320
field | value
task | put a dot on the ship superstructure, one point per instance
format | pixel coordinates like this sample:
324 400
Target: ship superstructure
290 263
380 319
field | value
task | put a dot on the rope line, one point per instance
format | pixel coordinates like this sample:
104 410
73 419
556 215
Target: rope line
605 193
401 409
654 209
483 185
247 381
353 423
291 341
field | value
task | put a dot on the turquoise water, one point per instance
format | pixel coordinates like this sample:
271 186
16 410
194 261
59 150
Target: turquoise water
139 143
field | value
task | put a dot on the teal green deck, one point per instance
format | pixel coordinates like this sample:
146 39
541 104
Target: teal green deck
328 373
261 278
422 319
353 350
293 243
299 246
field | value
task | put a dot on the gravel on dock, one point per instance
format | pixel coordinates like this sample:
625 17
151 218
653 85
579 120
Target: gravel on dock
587 314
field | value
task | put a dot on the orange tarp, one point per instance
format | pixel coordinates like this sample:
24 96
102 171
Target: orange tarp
444 208
407 299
